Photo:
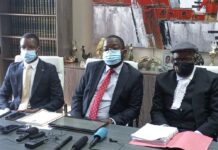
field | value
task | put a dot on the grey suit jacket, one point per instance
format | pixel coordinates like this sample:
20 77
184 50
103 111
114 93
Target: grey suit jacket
127 97
46 93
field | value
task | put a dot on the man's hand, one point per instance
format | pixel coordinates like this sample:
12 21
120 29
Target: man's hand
109 121
30 110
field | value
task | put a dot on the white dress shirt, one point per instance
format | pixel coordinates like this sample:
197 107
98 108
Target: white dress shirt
181 89
103 112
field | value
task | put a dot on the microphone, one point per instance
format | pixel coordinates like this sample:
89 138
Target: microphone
9 128
98 136
29 132
64 142
35 143
24 130
80 143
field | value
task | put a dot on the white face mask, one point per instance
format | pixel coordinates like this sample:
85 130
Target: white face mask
112 57
28 55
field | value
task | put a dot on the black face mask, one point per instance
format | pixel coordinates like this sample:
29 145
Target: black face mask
184 68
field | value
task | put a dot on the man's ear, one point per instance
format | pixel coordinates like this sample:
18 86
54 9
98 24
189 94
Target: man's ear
37 50
124 51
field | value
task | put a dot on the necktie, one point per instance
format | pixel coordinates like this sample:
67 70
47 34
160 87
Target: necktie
179 93
99 94
27 72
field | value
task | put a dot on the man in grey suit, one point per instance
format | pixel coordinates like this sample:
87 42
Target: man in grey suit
121 99
44 87
187 96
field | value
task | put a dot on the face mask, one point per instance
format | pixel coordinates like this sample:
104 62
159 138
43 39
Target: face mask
28 55
112 57
184 68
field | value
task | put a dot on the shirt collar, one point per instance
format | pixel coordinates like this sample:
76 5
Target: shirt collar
189 77
117 69
33 64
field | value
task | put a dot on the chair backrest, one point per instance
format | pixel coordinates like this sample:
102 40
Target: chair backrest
210 68
132 63
57 61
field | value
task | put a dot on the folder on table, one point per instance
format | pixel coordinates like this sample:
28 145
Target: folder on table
75 124
187 140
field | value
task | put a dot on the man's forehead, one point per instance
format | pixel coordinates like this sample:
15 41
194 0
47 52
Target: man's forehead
27 40
112 41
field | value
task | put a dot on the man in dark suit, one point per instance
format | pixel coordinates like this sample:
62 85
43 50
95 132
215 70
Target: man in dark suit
43 89
121 99
187 96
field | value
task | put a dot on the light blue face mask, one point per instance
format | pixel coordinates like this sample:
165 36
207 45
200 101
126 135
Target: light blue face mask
112 57
28 55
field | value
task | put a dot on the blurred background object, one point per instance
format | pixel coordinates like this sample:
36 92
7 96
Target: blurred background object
72 54
84 55
99 48
212 53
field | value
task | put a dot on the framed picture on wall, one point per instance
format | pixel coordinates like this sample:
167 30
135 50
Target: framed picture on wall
167 59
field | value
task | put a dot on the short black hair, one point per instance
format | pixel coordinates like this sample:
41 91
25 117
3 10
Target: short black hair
117 37
31 36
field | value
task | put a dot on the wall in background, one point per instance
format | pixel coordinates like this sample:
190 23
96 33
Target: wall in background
82 24
82 33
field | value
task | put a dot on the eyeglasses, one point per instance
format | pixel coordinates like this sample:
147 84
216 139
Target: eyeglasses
185 59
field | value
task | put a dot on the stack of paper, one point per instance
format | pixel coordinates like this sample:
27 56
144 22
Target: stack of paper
155 134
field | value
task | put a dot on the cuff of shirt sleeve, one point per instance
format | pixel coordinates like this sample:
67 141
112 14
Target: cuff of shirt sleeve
165 125
113 121
198 132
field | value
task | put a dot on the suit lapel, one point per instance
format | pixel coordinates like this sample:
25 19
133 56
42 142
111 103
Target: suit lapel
40 69
196 87
170 82
97 73
172 85
122 80
20 79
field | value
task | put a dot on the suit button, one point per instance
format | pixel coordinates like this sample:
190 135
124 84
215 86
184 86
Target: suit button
180 110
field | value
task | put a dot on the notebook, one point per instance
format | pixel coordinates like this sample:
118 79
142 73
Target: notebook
76 124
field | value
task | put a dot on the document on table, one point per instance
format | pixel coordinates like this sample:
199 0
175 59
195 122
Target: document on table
40 118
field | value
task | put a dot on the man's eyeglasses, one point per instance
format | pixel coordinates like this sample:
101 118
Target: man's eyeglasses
185 59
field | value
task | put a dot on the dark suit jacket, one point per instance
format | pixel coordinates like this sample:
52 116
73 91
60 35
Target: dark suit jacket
204 99
127 97
46 93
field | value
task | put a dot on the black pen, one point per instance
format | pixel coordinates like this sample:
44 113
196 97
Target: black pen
64 142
